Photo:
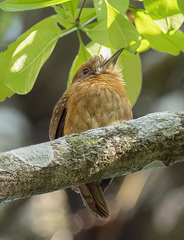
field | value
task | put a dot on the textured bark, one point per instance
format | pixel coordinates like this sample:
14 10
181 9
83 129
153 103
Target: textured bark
89 156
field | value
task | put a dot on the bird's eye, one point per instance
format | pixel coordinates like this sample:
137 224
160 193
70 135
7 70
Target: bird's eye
85 71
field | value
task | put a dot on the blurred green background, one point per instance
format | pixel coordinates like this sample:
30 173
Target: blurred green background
143 206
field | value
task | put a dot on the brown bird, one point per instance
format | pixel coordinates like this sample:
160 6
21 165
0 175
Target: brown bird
96 98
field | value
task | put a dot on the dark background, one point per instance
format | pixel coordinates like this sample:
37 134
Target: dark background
145 205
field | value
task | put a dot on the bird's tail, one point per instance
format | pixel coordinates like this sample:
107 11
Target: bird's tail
93 199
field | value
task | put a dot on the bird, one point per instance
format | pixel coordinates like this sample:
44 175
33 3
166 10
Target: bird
96 98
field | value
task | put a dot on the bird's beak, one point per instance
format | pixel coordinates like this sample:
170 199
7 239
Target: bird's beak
113 59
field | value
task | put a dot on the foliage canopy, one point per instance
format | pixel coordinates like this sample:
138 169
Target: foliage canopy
110 24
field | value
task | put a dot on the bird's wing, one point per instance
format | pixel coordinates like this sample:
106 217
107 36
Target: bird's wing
57 121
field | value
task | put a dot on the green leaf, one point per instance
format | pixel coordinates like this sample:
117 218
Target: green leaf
63 17
116 30
176 21
121 32
82 56
111 14
170 23
22 5
72 6
68 20
101 10
181 5
166 14
93 48
4 90
87 15
145 45
21 63
96 49
132 75
171 42
98 32
119 5
159 9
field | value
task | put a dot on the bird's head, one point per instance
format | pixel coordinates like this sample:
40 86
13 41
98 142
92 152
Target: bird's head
99 65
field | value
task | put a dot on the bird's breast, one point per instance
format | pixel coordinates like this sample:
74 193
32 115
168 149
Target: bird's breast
93 104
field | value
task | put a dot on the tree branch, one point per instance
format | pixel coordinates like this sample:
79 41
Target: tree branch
93 155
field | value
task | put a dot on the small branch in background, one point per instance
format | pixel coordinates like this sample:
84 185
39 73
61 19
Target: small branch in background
78 17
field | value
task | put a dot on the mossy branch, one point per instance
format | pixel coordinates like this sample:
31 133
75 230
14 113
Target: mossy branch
93 155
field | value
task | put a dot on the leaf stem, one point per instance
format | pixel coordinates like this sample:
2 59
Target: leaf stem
79 36
88 21
67 31
74 28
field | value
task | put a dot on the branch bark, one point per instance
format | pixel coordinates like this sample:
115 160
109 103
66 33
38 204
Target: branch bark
93 155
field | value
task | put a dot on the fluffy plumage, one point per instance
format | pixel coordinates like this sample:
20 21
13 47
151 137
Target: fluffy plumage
96 98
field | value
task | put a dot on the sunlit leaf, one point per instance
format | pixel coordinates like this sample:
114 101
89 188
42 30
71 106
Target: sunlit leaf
101 9
22 5
145 45
93 48
122 33
159 9
166 14
111 14
4 90
171 42
98 49
21 63
170 23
